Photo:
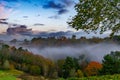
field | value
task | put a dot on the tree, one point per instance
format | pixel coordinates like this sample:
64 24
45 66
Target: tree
94 15
4 53
60 67
73 36
6 65
68 66
79 73
72 73
35 70
111 63
93 68
54 75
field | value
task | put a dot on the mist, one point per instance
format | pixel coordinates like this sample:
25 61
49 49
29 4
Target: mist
93 52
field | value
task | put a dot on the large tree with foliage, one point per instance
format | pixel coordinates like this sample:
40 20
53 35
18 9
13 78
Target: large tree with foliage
94 15
93 68
111 63
68 66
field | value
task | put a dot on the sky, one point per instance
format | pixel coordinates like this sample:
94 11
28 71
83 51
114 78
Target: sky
44 17
40 15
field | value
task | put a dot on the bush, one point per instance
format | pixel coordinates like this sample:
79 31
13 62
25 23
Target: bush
6 65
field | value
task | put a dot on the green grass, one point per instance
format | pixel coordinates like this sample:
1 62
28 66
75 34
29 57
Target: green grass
14 74
105 77
8 77
10 74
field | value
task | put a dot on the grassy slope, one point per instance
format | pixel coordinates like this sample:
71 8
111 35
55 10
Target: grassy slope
105 77
14 74
10 75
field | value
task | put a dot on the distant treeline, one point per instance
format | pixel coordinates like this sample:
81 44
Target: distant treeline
62 41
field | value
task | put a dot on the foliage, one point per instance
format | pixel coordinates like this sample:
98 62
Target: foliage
6 65
93 68
24 60
68 67
111 63
94 15
72 73
79 73
59 65
35 69
73 36
105 77
55 75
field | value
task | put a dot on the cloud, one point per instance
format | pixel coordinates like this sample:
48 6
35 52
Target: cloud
67 2
61 6
25 16
52 4
19 29
1 8
4 12
29 1
11 0
62 11
3 22
38 15
38 24
3 19
54 17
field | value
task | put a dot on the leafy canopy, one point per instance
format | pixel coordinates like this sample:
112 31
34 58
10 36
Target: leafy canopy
111 63
94 15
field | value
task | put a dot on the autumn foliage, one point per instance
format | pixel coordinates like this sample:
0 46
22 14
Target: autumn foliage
93 68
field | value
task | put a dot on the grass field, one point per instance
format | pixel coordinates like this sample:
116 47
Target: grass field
105 77
14 74
10 74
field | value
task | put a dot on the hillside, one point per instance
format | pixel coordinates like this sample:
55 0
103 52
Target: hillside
79 61
18 75
105 77
10 75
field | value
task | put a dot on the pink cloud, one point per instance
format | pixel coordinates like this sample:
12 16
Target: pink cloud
1 9
4 12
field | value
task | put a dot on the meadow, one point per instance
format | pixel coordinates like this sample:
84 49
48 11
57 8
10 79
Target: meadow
104 77
14 75
10 74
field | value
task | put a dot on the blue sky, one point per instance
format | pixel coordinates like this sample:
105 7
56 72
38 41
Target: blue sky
40 15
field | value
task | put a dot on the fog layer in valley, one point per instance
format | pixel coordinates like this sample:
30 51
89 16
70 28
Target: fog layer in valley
91 51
